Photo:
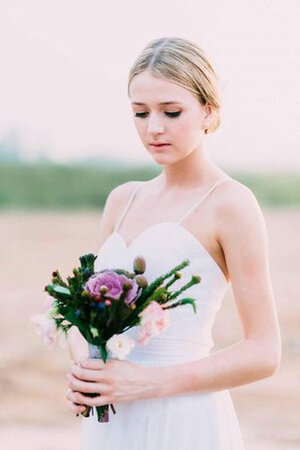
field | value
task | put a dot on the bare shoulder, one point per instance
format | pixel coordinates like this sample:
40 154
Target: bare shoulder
236 201
121 193
114 204
240 221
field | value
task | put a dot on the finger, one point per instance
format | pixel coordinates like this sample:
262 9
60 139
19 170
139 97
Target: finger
76 409
74 406
83 386
100 400
92 363
73 398
85 374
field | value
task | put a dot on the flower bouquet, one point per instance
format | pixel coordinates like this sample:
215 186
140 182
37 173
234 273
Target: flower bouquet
105 304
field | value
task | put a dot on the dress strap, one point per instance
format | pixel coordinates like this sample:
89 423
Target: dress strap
202 198
127 206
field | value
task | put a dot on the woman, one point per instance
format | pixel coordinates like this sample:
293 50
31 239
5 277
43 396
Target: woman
173 393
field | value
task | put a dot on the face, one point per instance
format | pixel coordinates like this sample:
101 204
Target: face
166 113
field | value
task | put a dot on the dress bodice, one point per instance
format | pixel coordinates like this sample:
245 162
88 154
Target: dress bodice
165 245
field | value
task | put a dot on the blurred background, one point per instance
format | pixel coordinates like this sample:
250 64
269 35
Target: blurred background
67 138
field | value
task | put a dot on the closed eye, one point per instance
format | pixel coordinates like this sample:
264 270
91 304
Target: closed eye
142 115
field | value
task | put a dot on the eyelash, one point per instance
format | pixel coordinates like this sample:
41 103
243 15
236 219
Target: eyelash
169 114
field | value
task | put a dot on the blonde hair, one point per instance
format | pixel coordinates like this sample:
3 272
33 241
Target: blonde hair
184 63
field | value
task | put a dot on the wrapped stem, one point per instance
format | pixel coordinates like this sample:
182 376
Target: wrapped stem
102 411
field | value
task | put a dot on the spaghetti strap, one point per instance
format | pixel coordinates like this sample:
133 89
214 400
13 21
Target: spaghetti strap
202 198
126 207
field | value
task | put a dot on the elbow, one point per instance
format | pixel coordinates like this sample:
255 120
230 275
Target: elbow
268 358
273 361
272 367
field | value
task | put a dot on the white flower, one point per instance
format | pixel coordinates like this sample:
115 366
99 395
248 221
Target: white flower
120 345
46 328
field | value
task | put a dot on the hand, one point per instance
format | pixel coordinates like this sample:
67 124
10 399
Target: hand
114 381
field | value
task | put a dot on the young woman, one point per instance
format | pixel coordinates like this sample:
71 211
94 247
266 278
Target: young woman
173 393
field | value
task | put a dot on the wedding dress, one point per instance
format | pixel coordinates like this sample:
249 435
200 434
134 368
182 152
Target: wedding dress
199 421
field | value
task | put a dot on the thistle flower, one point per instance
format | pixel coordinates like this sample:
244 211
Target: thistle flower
141 281
139 264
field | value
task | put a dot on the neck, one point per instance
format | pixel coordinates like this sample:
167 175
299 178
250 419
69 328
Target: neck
194 170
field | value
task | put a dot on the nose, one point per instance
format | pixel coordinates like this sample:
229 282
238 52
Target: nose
155 124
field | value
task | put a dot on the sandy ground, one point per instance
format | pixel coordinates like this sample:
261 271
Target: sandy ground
33 413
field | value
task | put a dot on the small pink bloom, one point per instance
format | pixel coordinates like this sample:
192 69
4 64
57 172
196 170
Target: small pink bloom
48 303
154 320
46 328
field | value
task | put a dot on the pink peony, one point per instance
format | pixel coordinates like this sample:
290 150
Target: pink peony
114 283
46 328
154 320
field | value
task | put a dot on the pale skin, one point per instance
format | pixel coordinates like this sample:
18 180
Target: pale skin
229 224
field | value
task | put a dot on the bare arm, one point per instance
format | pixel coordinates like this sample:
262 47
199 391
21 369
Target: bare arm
244 240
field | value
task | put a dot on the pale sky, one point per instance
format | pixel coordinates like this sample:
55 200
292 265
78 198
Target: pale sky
65 63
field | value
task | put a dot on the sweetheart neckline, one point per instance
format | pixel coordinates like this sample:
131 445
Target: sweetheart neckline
179 226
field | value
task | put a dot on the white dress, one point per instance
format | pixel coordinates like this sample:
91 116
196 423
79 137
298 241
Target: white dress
200 421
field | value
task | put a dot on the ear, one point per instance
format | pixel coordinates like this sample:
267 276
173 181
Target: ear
208 110
208 117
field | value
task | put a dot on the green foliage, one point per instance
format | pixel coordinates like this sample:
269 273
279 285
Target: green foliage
273 189
74 186
149 290
61 187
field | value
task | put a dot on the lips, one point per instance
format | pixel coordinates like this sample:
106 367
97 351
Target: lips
158 144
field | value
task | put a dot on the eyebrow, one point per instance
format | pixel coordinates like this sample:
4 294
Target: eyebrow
162 103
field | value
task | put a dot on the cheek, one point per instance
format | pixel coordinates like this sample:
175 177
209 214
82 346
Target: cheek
186 137
185 130
140 126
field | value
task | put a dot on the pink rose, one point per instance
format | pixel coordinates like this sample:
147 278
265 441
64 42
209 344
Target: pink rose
46 328
114 284
154 320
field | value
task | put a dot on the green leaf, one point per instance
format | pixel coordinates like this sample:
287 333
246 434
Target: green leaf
190 301
183 301
58 290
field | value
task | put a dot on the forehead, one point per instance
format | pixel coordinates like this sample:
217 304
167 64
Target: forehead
146 88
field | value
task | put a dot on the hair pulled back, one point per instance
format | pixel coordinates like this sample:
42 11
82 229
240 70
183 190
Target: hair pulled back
182 62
